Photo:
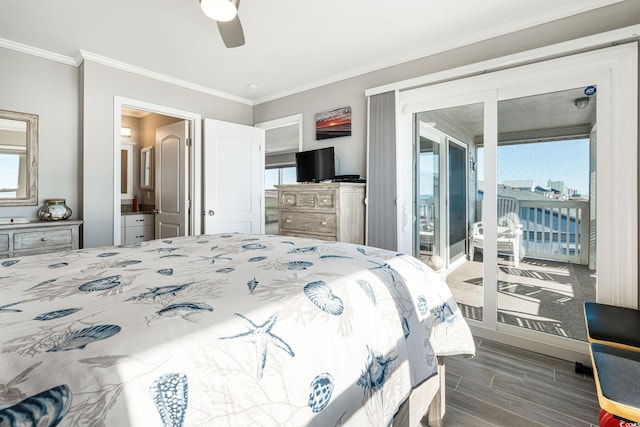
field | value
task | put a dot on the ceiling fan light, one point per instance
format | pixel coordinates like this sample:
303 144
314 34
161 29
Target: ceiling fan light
220 10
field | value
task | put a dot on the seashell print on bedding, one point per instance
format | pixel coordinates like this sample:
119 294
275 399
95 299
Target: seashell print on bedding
45 409
4 309
184 309
9 263
165 339
254 246
58 265
78 340
130 246
298 265
442 313
44 283
101 284
57 314
170 393
366 287
335 257
375 373
303 250
321 296
126 263
252 284
107 254
320 392
423 307
153 293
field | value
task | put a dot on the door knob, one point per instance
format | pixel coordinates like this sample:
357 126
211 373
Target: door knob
210 212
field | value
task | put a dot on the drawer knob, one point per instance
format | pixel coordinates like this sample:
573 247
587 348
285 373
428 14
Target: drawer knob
324 200
324 223
287 220
139 237
288 200
44 239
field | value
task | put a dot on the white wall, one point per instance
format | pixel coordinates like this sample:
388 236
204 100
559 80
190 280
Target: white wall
100 85
30 84
352 150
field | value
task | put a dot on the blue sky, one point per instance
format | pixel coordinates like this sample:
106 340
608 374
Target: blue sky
566 161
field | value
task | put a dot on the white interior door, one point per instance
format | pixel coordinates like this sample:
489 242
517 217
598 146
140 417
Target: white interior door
171 185
233 171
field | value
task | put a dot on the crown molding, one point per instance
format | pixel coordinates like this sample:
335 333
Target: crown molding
41 53
89 56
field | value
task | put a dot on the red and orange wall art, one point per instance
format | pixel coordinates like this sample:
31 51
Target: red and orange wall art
334 123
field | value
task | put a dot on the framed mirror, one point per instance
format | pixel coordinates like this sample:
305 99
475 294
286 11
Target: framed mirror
126 169
146 168
18 159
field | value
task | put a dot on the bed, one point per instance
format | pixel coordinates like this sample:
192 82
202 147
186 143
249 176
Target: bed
229 330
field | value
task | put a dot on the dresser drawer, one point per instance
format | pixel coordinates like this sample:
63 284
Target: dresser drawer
308 222
138 234
321 200
41 240
138 220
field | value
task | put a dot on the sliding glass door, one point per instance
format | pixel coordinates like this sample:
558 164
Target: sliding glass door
507 169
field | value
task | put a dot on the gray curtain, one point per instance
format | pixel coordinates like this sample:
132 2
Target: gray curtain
381 175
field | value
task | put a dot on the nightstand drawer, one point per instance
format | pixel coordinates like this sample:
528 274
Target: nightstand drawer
42 239
308 222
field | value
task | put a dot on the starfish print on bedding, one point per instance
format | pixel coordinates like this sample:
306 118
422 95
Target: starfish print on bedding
261 336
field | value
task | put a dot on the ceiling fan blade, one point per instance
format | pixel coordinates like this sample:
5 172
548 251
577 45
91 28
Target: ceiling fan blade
231 32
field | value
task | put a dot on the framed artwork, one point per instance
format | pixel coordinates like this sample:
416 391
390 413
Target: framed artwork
334 123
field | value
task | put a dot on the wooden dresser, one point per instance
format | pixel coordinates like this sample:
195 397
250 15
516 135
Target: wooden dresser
332 211
39 237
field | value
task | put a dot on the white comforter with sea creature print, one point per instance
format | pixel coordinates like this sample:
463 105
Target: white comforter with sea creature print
227 330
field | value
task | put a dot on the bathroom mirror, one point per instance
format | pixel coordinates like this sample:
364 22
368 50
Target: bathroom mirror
126 169
146 168
283 138
18 159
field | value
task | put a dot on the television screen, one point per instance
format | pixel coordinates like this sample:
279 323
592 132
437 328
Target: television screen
315 165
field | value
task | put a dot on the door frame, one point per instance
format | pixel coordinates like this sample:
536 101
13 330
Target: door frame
444 226
449 140
615 72
193 176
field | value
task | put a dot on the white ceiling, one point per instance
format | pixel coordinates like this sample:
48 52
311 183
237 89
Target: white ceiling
291 45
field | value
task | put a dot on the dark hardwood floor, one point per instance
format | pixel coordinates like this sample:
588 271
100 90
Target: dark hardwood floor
507 386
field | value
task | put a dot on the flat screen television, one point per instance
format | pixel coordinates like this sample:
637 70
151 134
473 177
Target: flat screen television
315 165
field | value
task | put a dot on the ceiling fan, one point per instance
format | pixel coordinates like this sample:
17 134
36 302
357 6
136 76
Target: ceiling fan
225 13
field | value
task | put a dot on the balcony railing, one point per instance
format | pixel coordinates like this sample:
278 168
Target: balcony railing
556 230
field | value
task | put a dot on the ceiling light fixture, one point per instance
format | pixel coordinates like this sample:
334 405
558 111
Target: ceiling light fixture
581 103
220 10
